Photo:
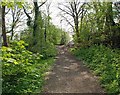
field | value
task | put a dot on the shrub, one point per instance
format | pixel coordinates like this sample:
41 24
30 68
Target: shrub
22 71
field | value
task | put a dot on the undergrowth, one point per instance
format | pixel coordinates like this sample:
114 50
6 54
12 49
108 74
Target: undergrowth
105 63
22 70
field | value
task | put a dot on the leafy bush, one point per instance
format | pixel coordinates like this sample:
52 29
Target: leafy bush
104 62
49 50
22 71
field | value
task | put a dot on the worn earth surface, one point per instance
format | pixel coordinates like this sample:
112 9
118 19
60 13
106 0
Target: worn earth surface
69 75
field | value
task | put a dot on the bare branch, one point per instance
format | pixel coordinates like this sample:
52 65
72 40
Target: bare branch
81 8
42 4
67 7
68 21
7 11
65 11
29 17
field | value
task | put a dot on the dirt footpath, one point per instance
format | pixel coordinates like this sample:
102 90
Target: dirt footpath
69 75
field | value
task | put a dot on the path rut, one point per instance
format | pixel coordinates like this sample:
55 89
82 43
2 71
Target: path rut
69 75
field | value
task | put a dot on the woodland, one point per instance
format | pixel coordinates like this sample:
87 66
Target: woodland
29 42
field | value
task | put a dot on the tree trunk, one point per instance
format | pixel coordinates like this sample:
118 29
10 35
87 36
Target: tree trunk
3 27
109 23
12 33
45 33
76 29
0 26
36 18
35 26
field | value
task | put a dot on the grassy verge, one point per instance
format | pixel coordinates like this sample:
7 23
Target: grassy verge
105 63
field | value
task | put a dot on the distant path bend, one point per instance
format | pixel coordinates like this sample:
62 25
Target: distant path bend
69 75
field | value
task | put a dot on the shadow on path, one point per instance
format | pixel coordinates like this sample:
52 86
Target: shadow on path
70 76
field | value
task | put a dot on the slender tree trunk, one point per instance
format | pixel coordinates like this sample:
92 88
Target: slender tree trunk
45 33
0 46
12 33
0 26
109 23
36 18
3 27
13 24
76 29
35 26
48 20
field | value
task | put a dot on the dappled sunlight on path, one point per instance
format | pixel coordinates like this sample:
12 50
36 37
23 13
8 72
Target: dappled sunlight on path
70 76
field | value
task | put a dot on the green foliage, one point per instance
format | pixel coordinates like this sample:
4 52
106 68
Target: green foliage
46 47
56 35
49 50
22 71
98 25
64 38
11 3
105 63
